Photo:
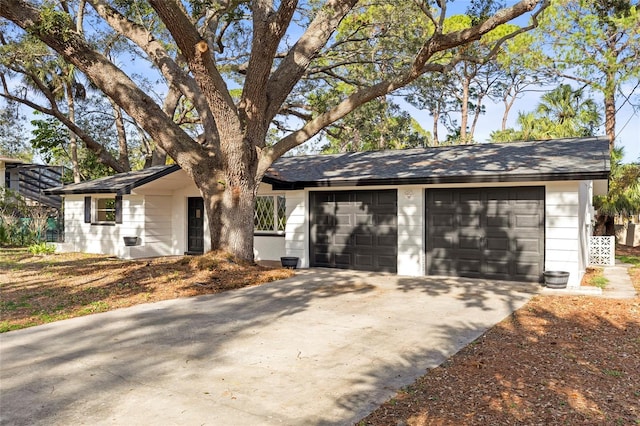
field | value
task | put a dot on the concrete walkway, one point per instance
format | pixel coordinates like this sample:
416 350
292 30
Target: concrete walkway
323 348
619 285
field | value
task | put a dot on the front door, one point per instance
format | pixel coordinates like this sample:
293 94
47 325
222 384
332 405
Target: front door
195 226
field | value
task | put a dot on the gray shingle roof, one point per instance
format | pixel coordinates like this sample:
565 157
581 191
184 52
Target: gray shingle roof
121 183
560 159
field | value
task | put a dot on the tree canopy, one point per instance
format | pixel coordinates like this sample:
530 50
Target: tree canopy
203 51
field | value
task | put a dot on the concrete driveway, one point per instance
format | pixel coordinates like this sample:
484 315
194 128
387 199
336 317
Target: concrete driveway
323 348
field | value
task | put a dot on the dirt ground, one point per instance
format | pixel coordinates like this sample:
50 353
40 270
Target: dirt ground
39 289
560 360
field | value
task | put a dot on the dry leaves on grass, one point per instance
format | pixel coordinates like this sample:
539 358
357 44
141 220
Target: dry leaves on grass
39 289
557 361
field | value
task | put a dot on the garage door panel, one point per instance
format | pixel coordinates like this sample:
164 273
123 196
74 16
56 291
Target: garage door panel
341 198
497 244
364 239
388 241
524 269
469 220
486 232
528 247
497 222
364 261
390 219
442 242
363 234
343 260
528 221
470 242
388 198
442 198
497 266
466 266
445 220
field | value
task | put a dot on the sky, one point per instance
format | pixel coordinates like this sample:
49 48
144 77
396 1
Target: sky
627 119
627 122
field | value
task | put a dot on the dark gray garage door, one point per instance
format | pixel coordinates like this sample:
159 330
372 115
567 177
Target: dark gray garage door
486 233
354 230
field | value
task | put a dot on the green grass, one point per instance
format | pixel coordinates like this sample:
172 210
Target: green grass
633 260
600 282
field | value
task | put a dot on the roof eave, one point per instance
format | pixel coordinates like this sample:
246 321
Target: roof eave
431 180
123 190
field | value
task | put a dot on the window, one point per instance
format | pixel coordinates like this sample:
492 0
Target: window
103 210
270 214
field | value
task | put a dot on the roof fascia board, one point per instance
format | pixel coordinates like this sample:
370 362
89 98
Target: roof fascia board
544 177
125 190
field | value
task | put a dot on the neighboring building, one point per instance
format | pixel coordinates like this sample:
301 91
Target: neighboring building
498 211
31 180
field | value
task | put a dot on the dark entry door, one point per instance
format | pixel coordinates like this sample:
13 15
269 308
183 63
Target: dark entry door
354 230
195 226
493 233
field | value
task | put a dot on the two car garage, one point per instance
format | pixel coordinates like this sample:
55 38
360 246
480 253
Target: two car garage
495 233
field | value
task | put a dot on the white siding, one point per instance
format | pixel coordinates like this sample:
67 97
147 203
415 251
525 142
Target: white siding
104 239
160 222
411 249
297 230
157 237
563 228
269 247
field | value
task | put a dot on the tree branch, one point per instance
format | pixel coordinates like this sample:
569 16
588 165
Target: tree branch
103 155
295 64
110 79
171 71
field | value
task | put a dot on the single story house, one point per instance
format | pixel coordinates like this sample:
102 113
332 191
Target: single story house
499 211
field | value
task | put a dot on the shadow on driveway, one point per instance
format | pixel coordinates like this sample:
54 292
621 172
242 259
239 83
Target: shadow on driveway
322 348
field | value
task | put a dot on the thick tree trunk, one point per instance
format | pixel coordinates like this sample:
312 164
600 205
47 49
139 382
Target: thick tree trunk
229 198
230 211
237 211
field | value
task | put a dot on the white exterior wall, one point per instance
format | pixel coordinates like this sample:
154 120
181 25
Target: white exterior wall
160 222
269 246
179 224
156 236
563 229
297 229
411 244
101 239
585 227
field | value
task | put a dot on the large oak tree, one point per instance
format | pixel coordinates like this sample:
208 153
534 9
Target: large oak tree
267 49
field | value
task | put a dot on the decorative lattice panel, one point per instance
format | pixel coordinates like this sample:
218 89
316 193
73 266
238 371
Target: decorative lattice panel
602 250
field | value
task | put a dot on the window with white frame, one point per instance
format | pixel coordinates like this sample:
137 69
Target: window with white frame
270 214
104 210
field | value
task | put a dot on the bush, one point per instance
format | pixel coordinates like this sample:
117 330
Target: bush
42 248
